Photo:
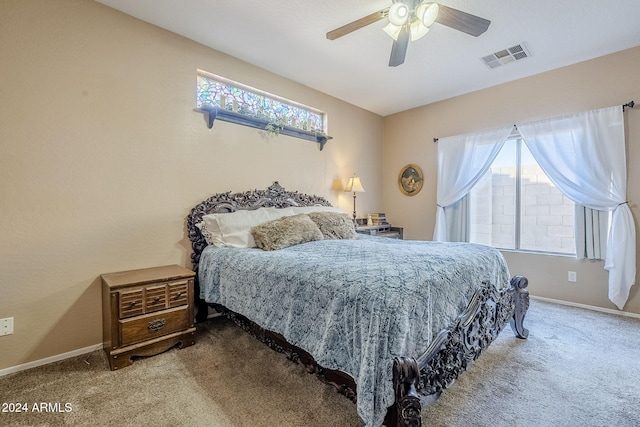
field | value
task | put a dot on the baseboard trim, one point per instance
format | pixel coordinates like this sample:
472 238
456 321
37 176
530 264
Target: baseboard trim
588 307
51 359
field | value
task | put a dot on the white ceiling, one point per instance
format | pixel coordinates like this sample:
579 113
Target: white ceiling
287 37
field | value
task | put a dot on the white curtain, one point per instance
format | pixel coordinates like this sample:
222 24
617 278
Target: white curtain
462 160
592 229
584 156
458 220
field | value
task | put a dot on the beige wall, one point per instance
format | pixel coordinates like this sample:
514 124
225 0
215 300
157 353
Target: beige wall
603 82
102 157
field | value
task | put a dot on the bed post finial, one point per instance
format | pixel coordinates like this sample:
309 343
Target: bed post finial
406 375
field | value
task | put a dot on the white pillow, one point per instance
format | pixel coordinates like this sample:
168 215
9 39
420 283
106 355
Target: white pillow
318 208
210 230
234 229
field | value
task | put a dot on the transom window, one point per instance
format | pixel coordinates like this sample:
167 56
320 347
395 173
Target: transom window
516 206
216 91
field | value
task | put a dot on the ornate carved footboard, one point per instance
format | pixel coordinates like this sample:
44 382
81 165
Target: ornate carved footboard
424 379
416 381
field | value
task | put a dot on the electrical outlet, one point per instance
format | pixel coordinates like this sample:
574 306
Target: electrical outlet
573 277
6 326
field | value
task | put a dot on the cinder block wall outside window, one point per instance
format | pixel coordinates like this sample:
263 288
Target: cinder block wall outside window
547 215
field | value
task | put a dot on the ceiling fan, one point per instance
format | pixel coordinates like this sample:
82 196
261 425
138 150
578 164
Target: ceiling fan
410 20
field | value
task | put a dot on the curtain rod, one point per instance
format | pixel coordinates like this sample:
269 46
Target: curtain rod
629 104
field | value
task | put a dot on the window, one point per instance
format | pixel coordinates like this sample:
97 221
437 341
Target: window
217 91
516 206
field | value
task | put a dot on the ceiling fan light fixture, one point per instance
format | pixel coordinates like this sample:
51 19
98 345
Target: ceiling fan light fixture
392 30
399 14
427 13
418 30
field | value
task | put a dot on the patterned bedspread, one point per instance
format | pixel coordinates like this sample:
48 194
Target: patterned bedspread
353 304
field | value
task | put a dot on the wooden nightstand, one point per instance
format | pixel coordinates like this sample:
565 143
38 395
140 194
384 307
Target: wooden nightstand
381 230
146 312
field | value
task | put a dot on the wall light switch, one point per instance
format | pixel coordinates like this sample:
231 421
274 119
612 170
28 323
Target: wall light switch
573 277
6 326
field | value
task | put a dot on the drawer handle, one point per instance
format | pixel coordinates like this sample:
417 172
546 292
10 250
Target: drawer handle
133 303
156 299
178 294
156 325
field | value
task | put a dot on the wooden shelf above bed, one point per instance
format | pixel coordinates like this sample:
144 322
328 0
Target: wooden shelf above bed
214 113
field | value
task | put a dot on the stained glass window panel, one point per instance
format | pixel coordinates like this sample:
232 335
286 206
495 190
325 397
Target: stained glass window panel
223 93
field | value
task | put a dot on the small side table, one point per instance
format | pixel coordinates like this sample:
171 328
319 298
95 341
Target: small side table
386 230
146 312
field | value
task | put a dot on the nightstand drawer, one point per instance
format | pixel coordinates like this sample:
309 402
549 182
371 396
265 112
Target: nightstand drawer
131 303
155 298
153 325
178 293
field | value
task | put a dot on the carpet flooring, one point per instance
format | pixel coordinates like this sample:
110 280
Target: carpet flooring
578 368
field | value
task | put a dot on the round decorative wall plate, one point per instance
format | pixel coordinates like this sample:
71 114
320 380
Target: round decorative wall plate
410 180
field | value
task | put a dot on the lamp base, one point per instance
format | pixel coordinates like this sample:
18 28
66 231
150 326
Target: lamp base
354 208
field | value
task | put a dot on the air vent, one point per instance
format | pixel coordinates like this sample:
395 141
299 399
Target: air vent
505 56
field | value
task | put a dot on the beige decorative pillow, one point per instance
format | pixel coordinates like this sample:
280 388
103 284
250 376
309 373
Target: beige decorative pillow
334 225
284 232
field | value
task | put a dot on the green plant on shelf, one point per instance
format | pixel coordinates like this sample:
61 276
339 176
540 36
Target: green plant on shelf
274 127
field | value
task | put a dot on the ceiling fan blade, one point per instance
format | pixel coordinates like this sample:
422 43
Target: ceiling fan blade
399 48
462 21
357 24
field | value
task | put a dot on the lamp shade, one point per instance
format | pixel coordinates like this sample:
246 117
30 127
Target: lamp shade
392 30
398 14
418 30
354 185
427 13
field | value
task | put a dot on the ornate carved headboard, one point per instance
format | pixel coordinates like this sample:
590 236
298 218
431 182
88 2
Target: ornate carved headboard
274 196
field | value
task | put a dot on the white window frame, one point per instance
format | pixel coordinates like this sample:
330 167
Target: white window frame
518 207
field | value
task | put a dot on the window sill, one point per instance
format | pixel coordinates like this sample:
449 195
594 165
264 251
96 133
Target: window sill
525 252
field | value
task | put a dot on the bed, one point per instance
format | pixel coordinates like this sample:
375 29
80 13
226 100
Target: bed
389 323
